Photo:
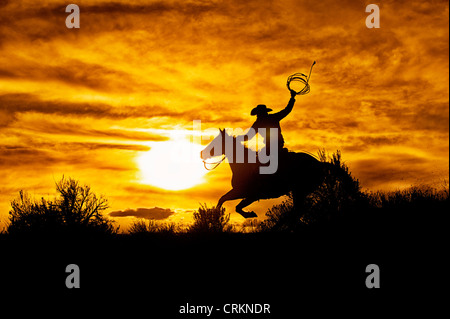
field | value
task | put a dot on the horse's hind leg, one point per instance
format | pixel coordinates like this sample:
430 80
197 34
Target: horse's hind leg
232 194
244 203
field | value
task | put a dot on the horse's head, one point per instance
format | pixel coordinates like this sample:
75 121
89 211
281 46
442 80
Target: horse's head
216 147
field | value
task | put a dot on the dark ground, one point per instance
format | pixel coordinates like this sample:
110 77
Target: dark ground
320 272
310 270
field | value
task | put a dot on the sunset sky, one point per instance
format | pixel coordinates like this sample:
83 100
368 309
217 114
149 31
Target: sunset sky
107 102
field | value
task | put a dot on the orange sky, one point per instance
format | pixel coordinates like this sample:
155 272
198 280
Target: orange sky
90 102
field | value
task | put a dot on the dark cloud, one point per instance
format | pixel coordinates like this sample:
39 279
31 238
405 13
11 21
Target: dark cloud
88 146
82 155
361 143
21 103
100 146
336 125
15 156
76 73
429 116
147 213
155 8
78 130
392 169
47 21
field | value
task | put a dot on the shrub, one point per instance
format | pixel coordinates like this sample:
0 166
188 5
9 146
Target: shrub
211 220
76 210
281 217
415 206
140 227
337 197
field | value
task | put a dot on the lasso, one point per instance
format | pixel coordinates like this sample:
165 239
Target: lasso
300 77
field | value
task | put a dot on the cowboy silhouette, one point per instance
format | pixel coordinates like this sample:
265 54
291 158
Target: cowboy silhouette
264 122
300 173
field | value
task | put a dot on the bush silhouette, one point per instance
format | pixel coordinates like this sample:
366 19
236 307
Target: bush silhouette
210 220
417 206
77 210
140 227
338 197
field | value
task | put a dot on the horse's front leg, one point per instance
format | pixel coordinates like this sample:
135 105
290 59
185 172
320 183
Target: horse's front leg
244 203
232 194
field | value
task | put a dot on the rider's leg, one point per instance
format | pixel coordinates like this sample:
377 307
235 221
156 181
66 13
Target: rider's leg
244 203
232 194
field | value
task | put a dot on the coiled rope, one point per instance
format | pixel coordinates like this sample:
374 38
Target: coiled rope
300 77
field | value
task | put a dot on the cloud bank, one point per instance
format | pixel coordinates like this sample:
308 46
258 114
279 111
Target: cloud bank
155 213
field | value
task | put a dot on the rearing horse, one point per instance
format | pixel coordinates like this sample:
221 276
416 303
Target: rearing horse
300 173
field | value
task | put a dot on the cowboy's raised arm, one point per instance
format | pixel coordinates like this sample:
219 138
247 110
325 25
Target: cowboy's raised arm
283 113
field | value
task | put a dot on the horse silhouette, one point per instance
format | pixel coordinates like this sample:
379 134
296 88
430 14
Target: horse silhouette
299 173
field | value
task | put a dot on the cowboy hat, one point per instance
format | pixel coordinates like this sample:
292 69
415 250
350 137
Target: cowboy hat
261 108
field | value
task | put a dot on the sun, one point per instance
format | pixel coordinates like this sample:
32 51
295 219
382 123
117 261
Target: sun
172 165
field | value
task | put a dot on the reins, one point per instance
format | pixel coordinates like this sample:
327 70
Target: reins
214 163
